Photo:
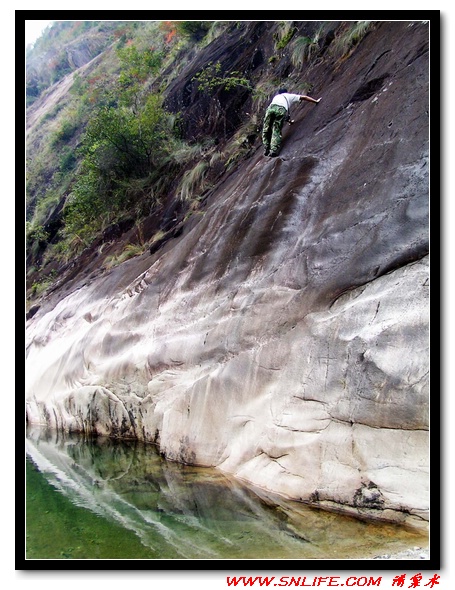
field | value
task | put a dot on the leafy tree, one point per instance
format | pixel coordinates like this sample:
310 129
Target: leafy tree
85 209
127 137
136 67
119 145
120 142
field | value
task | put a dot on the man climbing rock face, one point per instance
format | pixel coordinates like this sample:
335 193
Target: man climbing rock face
276 114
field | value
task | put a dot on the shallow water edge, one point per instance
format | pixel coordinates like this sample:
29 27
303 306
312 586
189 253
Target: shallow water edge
109 499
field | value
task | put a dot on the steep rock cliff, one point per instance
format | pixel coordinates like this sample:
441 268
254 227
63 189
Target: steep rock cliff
283 336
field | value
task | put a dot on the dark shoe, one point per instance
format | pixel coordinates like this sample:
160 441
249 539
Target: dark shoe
266 151
273 154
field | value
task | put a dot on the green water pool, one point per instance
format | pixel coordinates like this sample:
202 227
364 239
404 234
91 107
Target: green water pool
104 499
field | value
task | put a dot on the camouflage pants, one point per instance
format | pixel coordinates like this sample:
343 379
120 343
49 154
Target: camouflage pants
274 119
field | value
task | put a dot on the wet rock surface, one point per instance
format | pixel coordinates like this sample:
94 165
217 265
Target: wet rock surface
284 336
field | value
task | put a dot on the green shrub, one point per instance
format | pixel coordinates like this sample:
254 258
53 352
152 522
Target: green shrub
193 29
119 147
211 77
39 287
284 34
36 233
68 160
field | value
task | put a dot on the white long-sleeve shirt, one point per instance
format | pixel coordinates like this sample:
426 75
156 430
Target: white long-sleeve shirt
285 99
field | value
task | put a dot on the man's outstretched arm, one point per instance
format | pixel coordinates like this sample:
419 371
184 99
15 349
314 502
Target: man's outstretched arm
309 99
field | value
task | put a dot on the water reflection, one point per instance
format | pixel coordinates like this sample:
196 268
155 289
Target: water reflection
182 512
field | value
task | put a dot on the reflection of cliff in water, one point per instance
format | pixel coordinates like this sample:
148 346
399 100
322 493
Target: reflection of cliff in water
187 512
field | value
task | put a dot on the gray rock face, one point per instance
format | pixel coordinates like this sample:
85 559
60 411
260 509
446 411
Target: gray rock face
284 339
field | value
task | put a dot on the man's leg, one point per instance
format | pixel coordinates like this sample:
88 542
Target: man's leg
275 143
267 130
